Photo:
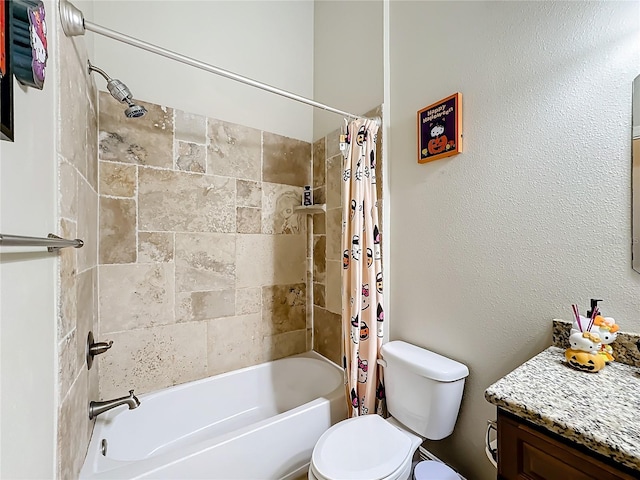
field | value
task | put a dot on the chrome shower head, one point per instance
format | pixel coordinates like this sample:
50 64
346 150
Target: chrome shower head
135 111
120 92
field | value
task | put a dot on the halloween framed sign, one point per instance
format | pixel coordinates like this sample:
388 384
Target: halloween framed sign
440 129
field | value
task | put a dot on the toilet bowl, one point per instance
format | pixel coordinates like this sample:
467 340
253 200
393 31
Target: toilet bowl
424 391
364 448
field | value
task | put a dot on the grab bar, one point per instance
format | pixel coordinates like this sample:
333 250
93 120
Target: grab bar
52 242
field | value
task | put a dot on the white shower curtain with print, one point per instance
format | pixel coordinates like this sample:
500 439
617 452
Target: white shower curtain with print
362 308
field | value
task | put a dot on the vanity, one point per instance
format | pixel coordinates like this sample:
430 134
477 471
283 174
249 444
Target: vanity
557 423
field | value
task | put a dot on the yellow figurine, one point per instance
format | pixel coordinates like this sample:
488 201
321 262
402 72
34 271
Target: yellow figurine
584 352
607 330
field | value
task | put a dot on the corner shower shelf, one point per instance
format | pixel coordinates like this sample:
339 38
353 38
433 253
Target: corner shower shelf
311 209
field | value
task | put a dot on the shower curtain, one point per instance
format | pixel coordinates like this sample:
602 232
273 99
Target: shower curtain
362 309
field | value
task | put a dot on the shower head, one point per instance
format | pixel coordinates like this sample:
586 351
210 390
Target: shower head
121 92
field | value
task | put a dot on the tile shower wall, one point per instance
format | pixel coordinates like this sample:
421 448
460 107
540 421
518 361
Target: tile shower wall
77 150
327 238
202 259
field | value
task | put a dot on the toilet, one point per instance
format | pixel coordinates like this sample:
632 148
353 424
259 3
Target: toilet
423 392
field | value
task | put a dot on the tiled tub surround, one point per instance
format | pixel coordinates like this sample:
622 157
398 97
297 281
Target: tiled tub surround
327 238
596 410
77 151
202 259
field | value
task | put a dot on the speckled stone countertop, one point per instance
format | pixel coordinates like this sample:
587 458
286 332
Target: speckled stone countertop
598 410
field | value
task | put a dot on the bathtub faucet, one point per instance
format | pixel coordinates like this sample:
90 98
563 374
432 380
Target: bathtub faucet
96 408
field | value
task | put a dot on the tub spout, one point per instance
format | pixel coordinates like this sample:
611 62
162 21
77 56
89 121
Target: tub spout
96 408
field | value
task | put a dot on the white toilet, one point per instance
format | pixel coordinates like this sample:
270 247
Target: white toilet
423 392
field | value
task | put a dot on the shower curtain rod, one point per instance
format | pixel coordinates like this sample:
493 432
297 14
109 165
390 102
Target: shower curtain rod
74 24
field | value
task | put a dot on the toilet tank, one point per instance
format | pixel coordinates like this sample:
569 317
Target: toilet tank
423 389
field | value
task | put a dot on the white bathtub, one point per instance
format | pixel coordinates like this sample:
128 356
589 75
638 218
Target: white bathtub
260 422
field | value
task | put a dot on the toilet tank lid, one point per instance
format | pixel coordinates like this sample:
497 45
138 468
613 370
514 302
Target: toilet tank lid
424 362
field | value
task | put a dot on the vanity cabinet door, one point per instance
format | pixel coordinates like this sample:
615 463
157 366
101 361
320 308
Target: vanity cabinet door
525 453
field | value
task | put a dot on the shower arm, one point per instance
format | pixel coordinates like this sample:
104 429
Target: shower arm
93 68
74 24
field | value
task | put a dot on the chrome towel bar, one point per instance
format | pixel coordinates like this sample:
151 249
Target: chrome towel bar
52 242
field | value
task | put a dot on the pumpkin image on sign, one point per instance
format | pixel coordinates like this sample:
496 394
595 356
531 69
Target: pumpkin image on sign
438 142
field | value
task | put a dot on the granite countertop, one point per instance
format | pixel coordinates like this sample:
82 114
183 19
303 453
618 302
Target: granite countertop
598 410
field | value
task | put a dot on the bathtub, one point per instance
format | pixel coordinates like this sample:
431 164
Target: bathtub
260 422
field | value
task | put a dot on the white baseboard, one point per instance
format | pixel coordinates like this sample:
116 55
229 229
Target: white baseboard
427 455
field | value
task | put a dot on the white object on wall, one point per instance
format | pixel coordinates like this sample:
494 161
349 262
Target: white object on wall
28 281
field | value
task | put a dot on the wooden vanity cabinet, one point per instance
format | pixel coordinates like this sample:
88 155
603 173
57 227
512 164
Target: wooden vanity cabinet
528 452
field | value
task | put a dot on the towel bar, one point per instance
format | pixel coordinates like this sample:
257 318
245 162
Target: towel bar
52 242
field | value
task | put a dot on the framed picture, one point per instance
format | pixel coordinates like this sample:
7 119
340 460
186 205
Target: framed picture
440 129
6 80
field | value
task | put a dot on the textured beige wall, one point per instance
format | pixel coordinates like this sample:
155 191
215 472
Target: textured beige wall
202 260
77 149
490 245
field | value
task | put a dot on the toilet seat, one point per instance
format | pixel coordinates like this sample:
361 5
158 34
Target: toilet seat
344 451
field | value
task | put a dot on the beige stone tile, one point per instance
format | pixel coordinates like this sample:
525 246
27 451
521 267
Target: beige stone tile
333 291
178 201
190 127
68 366
197 306
73 430
72 103
319 258
135 296
319 224
67 312
234 150
318 294
87 229
191 157
235 342
278 216
286 160
117 179
319 163
93 393
327 334
154 358
319 195
248 220
286 344
332 146
68 182
155 247
334 182
87 287
92 140
143 141
205 261
334 234
248 193
284 308
248 300
117 230
270 260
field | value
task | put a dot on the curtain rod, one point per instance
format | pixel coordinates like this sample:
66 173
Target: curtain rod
74 24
